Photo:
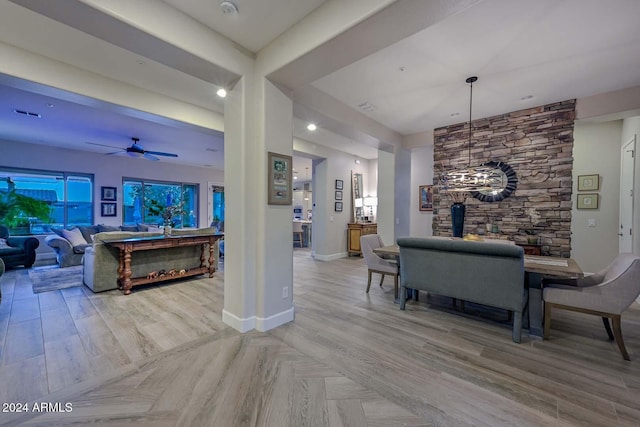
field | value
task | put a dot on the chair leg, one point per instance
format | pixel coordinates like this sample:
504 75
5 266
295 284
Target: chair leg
605 320
617 332
369 281
395 286
516 334
403 297
547 320
381 278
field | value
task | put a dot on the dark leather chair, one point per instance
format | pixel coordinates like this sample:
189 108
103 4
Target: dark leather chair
20 250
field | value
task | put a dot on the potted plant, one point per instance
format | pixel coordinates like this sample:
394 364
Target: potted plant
532 237
18 212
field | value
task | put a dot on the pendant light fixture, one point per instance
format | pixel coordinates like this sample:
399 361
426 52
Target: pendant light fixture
479 178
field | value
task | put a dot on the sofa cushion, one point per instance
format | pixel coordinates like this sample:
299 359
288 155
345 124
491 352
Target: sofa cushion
88 231
104 228
143 227
79 249
129 228
3 244
74 236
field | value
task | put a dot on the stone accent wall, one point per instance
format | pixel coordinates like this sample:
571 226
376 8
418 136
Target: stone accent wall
538 144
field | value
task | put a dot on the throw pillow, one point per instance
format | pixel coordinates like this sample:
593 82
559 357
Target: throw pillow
74 236
3 244
87 231
143 227
57 230
129 228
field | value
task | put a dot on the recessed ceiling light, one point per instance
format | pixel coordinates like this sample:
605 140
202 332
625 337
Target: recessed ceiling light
213 150
221 93
312 127
228 8
207 166
526 97
50 105
454 114
402 68
140 61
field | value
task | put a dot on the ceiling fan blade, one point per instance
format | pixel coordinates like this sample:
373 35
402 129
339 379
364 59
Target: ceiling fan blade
150 157
160 153
114 153
104 145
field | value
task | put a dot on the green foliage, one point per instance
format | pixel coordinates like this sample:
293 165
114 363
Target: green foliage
155 198
18 210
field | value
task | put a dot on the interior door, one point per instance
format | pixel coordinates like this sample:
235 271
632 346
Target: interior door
626 196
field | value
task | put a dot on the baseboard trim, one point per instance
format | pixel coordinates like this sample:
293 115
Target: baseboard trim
261 324
237 323
264 324
331 257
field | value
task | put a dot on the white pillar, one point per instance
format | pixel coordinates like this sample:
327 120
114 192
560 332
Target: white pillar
258 240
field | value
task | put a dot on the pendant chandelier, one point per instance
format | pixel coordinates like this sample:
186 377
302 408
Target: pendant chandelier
478 178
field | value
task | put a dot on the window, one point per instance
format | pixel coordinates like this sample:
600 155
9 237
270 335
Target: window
33 201
218 207
143 198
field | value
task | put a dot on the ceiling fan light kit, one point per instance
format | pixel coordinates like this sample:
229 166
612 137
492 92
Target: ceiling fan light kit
136 150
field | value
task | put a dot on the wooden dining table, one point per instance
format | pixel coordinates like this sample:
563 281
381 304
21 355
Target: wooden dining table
536 268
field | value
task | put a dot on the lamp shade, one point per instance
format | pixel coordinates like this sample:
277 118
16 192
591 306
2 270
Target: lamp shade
371 201
358 203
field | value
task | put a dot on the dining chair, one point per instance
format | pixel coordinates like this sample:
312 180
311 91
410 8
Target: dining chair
377 264
297 231
606 294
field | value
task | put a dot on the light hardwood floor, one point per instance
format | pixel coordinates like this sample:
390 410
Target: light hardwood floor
163 357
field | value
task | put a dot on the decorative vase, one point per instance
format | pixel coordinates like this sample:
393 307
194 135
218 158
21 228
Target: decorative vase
457 219
167 230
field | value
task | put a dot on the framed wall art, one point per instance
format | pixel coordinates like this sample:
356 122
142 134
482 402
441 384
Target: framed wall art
108 209
426 198
108 193
588 182
338 194
338 207
339 184
588 201
279 175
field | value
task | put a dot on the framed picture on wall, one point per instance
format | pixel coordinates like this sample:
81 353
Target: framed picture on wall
338 194
338 207
108 209
339 184
108 193
425 198
588 182
279 173
588 201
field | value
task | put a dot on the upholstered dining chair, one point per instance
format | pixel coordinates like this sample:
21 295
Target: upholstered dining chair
375 263
297 232
606 294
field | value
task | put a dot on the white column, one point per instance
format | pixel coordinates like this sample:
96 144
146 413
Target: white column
258 240
386 196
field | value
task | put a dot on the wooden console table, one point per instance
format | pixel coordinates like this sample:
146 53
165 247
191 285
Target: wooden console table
128 246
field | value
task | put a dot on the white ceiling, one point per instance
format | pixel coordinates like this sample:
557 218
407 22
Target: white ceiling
551 50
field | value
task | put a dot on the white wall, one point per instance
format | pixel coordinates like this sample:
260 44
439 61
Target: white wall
403 206
108 171
421 174
596 150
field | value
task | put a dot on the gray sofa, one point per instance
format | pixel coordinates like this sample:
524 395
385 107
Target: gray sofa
67 254
101 261
485 273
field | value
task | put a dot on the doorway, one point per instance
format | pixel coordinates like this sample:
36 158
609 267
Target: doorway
627 168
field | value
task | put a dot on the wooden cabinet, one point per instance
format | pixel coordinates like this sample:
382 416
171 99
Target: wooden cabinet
354 231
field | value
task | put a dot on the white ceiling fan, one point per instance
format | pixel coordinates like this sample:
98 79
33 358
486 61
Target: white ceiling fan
136 150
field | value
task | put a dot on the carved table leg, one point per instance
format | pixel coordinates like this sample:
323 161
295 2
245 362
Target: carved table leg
126 280
120 267
212 268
